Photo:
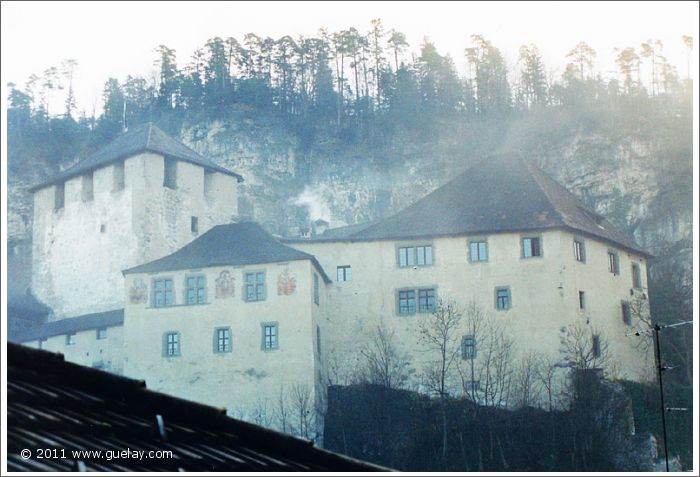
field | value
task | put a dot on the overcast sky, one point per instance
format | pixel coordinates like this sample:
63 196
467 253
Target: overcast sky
116 39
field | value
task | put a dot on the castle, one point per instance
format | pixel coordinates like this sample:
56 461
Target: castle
140 254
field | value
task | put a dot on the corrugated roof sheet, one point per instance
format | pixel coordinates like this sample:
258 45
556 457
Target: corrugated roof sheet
91 321
245 243
53 404
142 138
503 193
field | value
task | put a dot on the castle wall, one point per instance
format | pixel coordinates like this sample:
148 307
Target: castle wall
544 294
249 380
80 249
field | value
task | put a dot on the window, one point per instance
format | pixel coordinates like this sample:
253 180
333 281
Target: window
255 286
344 273
503 301
407 302
171 344
613 262
118 176
318 339
208 184
170 173
196 290
478 251
87 183
222 340
426 300
579 250
581 300
468 347
424 255
626 313
103 228
316 290
59 196
471 386
270 336
421 255
532 247
163 293
595 346
636 276
70 339
101 333
194 225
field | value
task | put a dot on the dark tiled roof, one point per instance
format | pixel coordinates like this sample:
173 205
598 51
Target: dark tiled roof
245 243
502 193
92 321
25 303
53 404
142 138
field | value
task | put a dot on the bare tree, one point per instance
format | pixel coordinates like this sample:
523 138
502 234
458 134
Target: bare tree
526 385
545 372
282 411
584 347
302 411
384 363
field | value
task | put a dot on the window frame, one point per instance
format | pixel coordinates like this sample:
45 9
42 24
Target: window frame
255 284
581 300
154 291
615 255
430 309
580 257
317 289
194 224
477 241
595 345
170 170
186 291
59 196
176 342
636 276
217 340
399 299
101 333
263 328
118 176
496 297
467 339
347 273
412 254
626 309
71 339
538 237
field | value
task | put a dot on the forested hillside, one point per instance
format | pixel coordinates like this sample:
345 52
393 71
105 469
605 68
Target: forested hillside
354 125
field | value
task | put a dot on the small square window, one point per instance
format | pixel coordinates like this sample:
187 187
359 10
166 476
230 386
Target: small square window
170 173
270 336
426 300
595 346
254 286
503 301
195 290
171 344
194 225
581 300
70 339
101 333
344 273
103 228
468 347
478 251
532 247
222 340
407 302
163 293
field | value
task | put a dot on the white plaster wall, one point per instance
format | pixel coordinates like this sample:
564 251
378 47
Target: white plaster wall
88 350
77 268
246 379
540 308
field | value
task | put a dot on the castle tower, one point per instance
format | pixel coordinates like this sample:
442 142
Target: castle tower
142 196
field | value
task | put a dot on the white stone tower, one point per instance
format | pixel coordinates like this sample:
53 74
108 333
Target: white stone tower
139 198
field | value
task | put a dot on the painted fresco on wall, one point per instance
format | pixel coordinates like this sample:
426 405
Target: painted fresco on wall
225 285
138 293
286 283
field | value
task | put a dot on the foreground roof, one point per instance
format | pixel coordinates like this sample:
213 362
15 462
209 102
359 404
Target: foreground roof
92 321
143 138
245 243
502 193
53 404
